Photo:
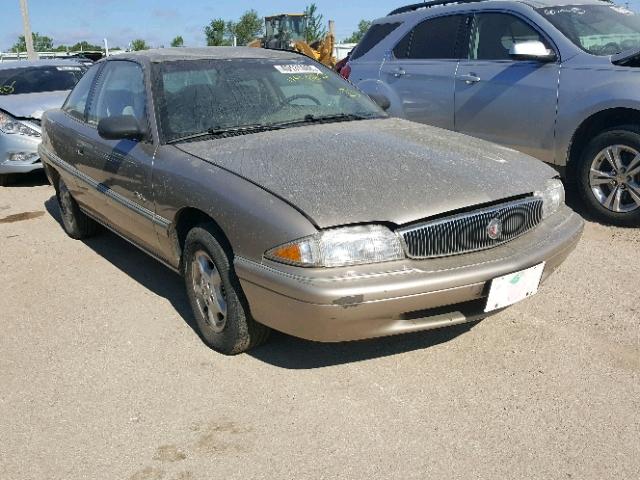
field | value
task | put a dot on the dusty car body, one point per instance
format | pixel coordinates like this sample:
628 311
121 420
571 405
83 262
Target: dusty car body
272 225
27 89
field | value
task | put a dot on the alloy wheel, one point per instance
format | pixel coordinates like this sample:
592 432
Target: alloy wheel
614 178
209 291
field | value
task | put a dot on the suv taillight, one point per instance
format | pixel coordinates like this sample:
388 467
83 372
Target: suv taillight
346 71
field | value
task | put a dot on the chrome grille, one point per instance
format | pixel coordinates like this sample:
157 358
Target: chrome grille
468 232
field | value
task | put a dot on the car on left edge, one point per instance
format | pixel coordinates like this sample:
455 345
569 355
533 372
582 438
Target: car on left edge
27 90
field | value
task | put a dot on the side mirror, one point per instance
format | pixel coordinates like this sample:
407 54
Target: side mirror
531 50
381 100
120 127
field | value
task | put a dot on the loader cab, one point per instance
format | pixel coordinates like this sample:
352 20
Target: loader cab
282 30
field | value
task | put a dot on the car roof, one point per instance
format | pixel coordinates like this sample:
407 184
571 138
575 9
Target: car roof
562 3
208 53
36 63
410 9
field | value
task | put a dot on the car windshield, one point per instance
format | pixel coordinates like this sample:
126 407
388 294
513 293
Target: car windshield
15 81
597 29
195 96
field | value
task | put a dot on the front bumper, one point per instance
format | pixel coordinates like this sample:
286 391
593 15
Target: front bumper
333 305
16 143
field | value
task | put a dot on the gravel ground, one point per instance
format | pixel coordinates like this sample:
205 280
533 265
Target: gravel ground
102 376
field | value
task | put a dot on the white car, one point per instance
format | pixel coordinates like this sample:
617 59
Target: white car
27 89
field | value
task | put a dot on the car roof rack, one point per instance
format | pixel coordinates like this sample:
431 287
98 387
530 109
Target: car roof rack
416 6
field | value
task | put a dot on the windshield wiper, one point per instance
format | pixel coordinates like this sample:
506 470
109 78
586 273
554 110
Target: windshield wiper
265 127
223 132
338 117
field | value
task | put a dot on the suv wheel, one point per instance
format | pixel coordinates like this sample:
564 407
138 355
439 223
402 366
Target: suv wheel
75 222
218 302
609 176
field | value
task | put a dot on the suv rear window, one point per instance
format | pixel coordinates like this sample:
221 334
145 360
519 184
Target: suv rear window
433 38
374 36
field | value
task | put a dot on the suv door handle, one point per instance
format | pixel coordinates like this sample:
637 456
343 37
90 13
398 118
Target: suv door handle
399 72
469 79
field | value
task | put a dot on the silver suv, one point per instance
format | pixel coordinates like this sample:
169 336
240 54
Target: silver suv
559 81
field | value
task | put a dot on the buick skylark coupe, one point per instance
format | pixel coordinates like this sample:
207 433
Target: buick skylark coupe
288 199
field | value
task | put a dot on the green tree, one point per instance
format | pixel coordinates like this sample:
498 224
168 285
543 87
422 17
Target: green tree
215 33
41 43
356 36
84 46
246 29
177 42
139 44
315 24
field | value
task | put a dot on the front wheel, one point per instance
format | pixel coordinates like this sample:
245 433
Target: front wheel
219 306
609 176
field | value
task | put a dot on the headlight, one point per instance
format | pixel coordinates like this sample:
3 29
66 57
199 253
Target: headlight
552 197
338 247
8 124
22 156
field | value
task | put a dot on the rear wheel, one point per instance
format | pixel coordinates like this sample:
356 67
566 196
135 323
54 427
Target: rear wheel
75 222
219 306
609 176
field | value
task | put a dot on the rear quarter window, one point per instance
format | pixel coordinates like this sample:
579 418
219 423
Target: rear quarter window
373 37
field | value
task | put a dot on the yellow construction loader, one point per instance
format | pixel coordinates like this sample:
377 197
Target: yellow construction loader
286 32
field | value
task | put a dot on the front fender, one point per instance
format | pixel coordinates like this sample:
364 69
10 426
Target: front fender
252 219
577 102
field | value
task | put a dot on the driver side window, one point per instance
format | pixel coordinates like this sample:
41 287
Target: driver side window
119 91
493 34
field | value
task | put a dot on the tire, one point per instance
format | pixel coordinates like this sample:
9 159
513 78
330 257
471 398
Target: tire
613 194
219 306
5 179
74 221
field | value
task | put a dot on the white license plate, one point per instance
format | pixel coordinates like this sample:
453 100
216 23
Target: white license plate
514 287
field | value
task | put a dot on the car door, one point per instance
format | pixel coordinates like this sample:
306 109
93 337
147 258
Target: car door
507 101
421 71
122 168
65 130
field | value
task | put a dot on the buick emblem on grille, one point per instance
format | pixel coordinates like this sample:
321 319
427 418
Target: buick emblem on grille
494 229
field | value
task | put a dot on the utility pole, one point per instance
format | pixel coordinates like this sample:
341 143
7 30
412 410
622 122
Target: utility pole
28 39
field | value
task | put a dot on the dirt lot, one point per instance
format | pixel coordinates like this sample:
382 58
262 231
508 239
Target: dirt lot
102 377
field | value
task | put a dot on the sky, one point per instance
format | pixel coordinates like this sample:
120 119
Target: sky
159 21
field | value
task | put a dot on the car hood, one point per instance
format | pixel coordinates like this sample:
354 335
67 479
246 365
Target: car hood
32 105
383 170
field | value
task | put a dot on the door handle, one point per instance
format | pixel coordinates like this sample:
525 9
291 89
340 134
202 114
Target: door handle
399 72
80 147
469 79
